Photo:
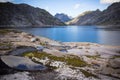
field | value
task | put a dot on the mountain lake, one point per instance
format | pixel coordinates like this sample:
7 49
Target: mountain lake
92 34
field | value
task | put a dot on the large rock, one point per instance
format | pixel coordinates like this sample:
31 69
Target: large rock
22 49
22 63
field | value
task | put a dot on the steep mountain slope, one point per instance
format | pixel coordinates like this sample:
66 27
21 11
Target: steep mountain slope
63 17
25 15
110 16
86 18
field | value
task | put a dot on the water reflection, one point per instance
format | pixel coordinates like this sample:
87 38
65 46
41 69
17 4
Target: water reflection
78 34
109 37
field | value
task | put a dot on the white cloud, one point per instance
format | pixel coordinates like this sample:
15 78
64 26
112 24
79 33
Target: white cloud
6 0
46 8
108 1
76 6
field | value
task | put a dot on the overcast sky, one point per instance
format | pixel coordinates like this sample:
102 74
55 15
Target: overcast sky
71 7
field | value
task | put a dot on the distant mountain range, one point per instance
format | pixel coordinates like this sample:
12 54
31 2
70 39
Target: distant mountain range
25 15
63 17
110 16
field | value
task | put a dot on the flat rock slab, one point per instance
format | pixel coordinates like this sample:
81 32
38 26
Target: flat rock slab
22 63
22 49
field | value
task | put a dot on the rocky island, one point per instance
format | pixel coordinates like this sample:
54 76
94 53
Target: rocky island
27 57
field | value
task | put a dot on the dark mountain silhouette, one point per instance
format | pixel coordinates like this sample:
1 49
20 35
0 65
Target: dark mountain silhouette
110 16
25 15
63 17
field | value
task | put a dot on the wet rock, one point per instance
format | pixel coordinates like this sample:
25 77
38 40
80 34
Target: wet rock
39 47
22 63
22 49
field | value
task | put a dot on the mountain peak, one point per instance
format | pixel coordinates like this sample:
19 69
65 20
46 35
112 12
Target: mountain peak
63 17
110 16
25 15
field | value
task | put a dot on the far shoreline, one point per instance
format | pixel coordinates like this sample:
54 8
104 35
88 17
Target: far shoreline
76 42
107 45
51 26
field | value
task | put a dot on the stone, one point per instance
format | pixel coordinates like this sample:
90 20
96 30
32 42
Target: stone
22 63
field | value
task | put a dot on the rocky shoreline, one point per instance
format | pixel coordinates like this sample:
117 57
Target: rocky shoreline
64 61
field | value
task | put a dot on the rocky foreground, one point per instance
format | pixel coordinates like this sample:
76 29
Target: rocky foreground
63 61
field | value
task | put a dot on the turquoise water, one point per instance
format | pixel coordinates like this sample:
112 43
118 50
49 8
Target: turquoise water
78 34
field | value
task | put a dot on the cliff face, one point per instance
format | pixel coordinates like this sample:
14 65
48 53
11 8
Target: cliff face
63 17
110 16
86 18
25 15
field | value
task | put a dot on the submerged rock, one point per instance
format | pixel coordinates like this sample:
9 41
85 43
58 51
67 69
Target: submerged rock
22 63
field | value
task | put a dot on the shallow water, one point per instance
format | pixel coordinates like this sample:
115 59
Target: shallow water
78 34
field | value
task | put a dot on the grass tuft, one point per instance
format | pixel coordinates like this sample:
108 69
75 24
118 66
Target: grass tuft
4 31
87 74
69 60
93 57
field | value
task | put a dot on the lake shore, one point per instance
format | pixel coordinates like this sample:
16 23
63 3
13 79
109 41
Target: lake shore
93 61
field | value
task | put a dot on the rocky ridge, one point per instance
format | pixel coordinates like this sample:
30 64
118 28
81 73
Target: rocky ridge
109 16
63 17
18 15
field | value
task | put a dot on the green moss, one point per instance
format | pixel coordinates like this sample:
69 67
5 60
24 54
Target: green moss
6 31
75 61
39 55
42 43
93 57
87 74
116 57
69 60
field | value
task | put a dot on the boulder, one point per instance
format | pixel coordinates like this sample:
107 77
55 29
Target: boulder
22 63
